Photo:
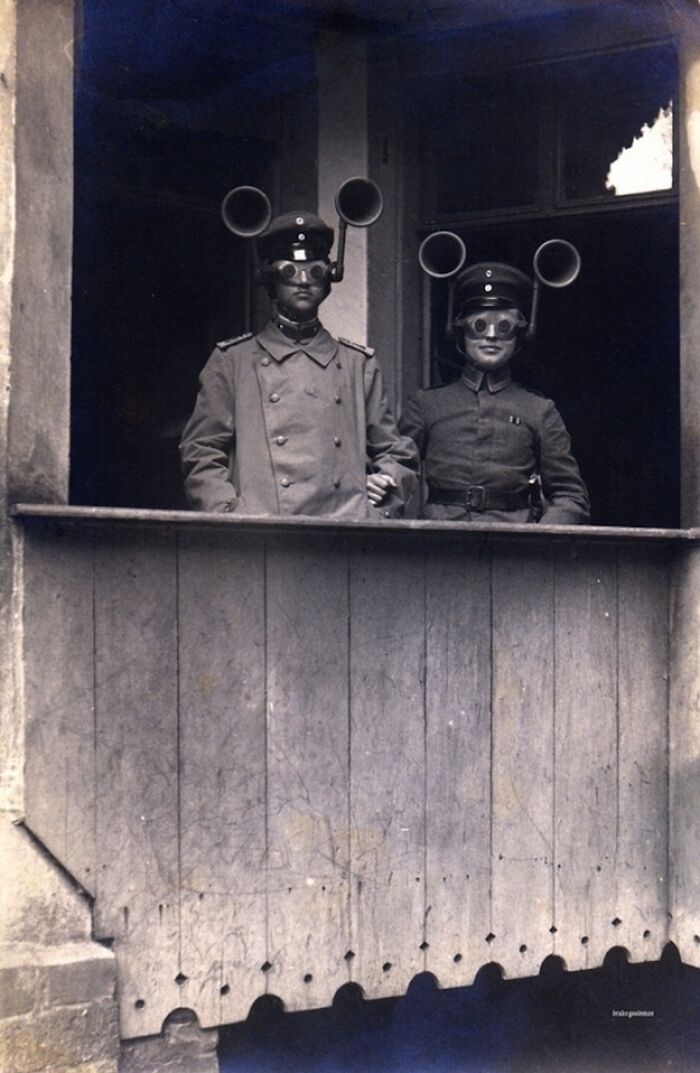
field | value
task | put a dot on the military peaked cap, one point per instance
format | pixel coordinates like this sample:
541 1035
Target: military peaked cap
299 236
491 285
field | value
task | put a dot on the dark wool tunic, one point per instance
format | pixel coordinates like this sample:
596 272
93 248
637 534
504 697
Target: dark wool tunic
286 427
484 430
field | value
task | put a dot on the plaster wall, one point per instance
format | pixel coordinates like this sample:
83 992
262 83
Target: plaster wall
57 987
343 154
689 150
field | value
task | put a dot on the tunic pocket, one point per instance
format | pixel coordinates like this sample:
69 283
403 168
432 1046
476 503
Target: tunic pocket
514 441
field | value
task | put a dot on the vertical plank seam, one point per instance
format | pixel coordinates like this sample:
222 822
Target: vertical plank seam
66 790
95 722
178 751
351 871
671 571
554 854
424 684
266 782
492 678
617 727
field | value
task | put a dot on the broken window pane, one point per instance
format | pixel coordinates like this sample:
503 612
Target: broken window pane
616 123
646 164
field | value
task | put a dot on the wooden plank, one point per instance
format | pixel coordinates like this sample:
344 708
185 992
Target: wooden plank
58 676
458 736
222 774
352 741
307 769
642 842
586 756
389 527
684 748
523 774
387 795
136 720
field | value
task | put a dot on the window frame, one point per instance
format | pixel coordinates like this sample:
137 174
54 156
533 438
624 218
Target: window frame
550 200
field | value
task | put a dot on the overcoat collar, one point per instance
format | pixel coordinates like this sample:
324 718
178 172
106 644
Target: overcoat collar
294 331
322 348
495 381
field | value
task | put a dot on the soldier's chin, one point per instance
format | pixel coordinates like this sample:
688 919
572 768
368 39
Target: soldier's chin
301 312
490 360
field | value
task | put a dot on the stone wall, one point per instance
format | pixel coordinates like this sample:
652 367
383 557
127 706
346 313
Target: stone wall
57 988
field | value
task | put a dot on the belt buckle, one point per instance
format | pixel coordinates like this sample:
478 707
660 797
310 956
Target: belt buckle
476 497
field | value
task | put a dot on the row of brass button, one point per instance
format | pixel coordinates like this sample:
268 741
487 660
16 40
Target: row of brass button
274 397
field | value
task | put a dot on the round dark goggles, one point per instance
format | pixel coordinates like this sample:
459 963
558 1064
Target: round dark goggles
302 271
504 324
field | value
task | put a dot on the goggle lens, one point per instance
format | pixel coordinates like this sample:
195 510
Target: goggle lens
479 325
303 271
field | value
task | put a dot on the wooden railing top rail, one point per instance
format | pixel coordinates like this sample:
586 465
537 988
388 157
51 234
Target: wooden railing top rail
190 519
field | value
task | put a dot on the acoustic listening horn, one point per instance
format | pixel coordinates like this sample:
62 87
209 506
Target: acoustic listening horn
246 211
359 203
556 263
441 255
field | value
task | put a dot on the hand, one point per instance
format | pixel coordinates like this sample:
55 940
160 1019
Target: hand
378 487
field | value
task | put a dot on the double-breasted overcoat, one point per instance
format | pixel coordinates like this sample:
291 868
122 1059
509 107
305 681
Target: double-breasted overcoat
287 427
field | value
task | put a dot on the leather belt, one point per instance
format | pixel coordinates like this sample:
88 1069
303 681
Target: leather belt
479 498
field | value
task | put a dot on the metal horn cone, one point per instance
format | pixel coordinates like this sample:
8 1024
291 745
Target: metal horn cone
246 211
359 202
556 263
442 254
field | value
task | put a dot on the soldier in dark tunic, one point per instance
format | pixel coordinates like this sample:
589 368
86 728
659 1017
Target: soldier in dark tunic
291 420
493 451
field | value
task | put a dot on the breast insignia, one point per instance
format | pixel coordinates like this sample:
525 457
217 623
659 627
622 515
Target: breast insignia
226 343
368 351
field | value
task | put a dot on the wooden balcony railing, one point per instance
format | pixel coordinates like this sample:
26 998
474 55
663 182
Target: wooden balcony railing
282 756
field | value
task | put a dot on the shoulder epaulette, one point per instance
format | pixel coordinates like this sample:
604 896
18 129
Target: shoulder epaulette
368 351
533 391
226 343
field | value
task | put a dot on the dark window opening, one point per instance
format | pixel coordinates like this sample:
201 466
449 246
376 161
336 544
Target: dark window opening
606 351
177 103
607 105
607 346
464 171
542 137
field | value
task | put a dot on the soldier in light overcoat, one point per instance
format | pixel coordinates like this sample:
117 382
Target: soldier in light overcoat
292 420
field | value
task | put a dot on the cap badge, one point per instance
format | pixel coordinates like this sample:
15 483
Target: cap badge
488 286
488 273
300 220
